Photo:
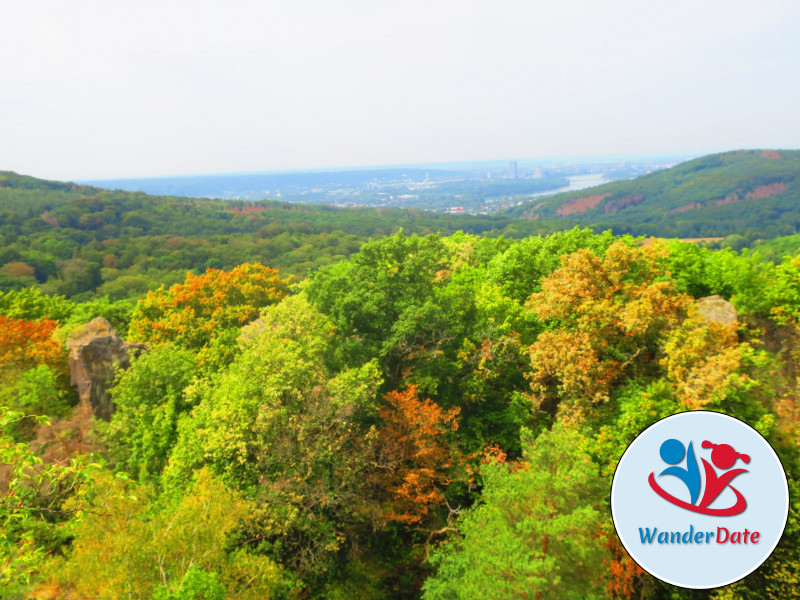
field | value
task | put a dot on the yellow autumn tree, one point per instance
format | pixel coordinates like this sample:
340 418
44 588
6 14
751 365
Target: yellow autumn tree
703 361
606 316
126 546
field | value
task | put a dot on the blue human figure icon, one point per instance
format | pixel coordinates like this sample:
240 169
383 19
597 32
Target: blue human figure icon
672 452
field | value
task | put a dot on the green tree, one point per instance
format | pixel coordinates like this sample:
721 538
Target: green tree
285 428
520 269
149 399
31 304
424 309
542 518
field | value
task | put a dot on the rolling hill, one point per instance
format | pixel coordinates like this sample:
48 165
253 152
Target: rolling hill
748 192
80 241
22 193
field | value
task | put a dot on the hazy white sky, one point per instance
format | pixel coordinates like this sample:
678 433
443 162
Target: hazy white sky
115 88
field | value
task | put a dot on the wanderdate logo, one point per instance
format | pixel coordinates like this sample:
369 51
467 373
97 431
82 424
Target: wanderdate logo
699 499
723 457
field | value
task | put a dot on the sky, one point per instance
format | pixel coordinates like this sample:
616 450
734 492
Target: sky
136 88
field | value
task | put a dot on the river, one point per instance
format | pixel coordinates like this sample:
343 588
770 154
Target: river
576 182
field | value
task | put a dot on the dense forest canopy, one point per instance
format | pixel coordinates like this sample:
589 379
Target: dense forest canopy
83 242
331 404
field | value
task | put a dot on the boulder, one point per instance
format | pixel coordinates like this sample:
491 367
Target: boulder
95 352
717 310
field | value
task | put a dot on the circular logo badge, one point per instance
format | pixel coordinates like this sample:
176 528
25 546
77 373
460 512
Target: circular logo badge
699 499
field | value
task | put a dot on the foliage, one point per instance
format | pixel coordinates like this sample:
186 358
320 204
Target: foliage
84 242
34 508
384 296
198 313
26 344
784 291
426 311
413 455
31 304
699 271
39 391
610 314
149 400
325 444
117 313
126 547
520 269
703 360
195 585
33 371
283 427
541 516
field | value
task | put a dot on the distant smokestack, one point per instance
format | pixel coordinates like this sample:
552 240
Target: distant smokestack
512 169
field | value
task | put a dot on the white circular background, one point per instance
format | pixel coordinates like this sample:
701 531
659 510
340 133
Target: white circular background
635 505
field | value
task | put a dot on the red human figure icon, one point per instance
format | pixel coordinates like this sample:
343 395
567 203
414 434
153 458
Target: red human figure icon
724 457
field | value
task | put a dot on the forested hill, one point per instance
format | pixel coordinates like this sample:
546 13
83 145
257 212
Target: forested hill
83 241
30 204
80 241
747 191
21 193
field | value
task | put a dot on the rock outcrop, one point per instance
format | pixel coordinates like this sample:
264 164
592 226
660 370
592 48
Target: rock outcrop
95 352
717 310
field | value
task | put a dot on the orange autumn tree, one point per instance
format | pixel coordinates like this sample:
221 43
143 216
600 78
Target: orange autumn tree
413 455
607 315
197 313
625 578
34 373
27 344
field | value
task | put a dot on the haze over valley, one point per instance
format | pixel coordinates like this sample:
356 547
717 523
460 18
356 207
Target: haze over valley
474 188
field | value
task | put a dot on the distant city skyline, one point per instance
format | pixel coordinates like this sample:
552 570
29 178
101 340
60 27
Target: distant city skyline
96 90
501 165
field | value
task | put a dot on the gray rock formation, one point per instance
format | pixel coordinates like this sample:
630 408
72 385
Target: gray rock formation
717 310
95 351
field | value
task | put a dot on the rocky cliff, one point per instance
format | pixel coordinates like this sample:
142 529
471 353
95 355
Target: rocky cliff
95 352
